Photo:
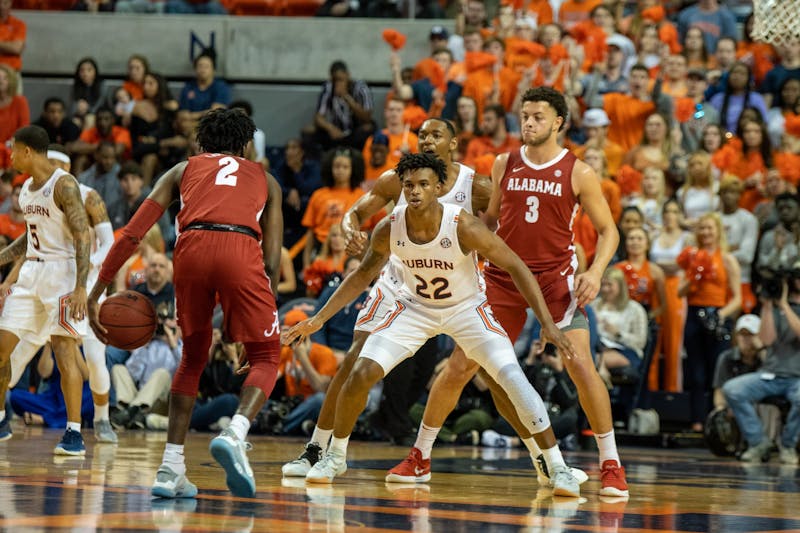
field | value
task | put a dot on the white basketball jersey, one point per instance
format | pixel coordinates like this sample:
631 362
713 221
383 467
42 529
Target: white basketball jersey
460 194
436 273
49 236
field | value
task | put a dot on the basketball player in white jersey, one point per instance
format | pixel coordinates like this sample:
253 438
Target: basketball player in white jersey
439 289
50 296
94 350
471 192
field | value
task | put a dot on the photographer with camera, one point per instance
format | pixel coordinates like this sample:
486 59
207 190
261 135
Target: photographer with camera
146 376
712 287
777 248
778 376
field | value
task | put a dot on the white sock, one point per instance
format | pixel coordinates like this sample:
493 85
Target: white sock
339 446
553 458
533 448
321 437
173 458
2 415
607 446
100 412
240 425
426 436
74 426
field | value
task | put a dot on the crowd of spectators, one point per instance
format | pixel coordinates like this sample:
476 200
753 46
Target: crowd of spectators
692 127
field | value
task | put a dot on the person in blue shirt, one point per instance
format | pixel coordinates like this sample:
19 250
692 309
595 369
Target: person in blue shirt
206 91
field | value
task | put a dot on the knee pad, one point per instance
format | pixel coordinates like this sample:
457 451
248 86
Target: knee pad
527 402
95 353
264 358
193 361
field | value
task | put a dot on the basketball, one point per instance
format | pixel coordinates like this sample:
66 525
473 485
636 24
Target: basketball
130 319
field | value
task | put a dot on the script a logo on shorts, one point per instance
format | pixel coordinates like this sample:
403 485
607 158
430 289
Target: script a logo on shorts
446 243
276 326
460 196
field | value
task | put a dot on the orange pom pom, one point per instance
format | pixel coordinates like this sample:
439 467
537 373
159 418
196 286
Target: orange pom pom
654 14
394 38
476 61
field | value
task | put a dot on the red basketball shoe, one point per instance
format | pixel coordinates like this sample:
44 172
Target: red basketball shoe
413 469
612 479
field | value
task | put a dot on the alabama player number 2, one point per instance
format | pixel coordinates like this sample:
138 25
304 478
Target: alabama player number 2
226 174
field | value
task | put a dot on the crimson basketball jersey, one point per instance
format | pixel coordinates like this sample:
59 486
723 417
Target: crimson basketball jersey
222 189
537 209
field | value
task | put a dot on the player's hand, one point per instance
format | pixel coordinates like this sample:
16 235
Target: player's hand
76 302
94 321
301 330
587 285
552 334
356 244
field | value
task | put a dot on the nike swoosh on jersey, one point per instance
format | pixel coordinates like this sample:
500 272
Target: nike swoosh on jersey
517 169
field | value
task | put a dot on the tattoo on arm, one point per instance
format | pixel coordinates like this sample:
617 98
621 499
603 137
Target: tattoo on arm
96 209
15 250
67 196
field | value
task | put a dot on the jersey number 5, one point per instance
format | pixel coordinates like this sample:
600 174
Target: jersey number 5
532 214
440 285
34 237
226 175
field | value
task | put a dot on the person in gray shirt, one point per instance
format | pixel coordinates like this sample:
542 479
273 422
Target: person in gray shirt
778 376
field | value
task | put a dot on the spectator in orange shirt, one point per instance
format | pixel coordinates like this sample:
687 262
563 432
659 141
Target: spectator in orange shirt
376 161
105 130
695 51
307 369
12 224
473 42
748 157
401 140
466 123
329 261
138 67
628 112
595 124
12 37
6 186
595 158
675 72
495 139
492 85
14 111
572 12
342 174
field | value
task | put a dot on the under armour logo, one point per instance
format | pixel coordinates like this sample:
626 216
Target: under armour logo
401 243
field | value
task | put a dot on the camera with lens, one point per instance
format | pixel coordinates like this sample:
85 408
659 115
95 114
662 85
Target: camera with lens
772 280
163 313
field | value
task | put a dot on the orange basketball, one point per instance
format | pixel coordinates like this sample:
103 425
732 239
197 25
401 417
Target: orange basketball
130 319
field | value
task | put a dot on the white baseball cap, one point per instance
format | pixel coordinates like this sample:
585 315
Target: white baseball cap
751 323
595 118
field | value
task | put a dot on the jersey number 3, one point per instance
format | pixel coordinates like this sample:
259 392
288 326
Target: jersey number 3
226 175
440 285
532 214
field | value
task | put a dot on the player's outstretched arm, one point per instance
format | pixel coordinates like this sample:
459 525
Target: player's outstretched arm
386 189
493 210
474 235
353 285
15 250
272 232
481 193
163 194
67 196
587 187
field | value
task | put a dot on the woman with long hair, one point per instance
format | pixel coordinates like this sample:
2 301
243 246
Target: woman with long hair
737 96
621 325
712 288
88 92
329 260
150 122
748 156
655 150
652 199
695 51
698 195
664 251
14 110
342 174
466 122
786 105
643 278
138 67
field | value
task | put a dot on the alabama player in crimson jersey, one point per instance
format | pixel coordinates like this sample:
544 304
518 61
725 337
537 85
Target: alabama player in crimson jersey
230 226
537 191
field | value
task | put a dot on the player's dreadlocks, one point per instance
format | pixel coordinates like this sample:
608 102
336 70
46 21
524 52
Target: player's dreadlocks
412 162
225 131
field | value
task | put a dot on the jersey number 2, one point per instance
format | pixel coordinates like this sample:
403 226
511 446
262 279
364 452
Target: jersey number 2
532 214
440 285
226 175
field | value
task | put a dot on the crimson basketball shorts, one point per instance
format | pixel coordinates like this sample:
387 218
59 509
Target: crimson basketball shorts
211 264
509 306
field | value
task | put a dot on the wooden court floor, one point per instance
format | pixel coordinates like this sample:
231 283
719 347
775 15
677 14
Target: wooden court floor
473 489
